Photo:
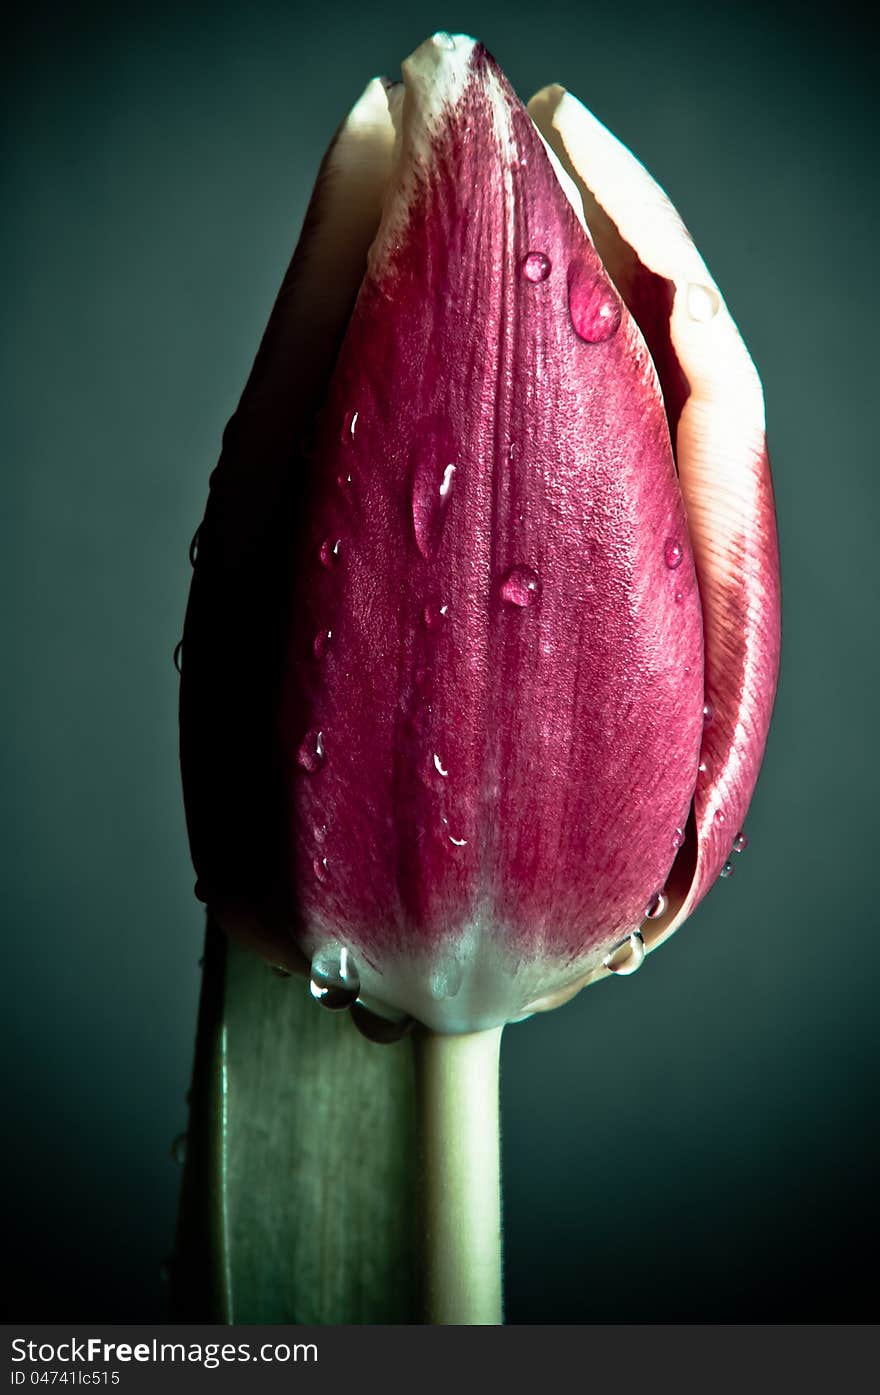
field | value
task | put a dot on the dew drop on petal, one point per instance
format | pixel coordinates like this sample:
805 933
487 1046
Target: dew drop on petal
334 979
727 870
708 713
439 766
634 960
703 303
592 304
349 427
673 553
329 554
311 753
719 816
521 586
740 842
432 489
446 980
656 906
320 869
536 267
435 613
678 838
321 643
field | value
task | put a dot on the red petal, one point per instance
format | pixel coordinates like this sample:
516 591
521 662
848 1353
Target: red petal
492 709
716 410
232 645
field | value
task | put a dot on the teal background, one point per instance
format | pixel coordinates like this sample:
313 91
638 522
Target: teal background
697 1143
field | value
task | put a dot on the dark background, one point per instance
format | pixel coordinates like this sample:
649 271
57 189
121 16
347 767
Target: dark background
698 1143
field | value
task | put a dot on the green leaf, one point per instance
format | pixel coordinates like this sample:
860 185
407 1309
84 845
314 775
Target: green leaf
298 1196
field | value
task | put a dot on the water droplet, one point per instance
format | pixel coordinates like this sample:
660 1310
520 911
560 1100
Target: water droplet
679 597
178 656
708 713
320 869
727 870
349 427
194 547
673 553
178 1148
446 980
280 972
634 960
435 613
456 842
443 41
593 306
311 752
329 554
536 267
344 481
740 842
656 906
334 981
703 303
439 767
511 452
432 489
719 816
321 643
703 767
320 832
678 838
521 587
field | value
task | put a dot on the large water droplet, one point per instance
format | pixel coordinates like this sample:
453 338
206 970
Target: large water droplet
594 307
194 547
521 586
536 267
330 552
656 906
334 980
740 842
727 870
311 753
178 1148
446 980
439 766
634 960
435 613
178 656
321 643
432 490
673 553
703 303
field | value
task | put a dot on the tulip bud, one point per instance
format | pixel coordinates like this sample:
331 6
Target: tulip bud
483 634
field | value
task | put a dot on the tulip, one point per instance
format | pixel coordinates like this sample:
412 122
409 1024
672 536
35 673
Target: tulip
483 633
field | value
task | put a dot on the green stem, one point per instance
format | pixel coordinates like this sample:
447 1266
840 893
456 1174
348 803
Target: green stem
461 1190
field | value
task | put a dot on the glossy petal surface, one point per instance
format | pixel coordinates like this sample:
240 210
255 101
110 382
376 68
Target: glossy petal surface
716 409
491 709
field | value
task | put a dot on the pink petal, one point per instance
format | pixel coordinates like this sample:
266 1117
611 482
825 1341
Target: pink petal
492 704
232 645
716 411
